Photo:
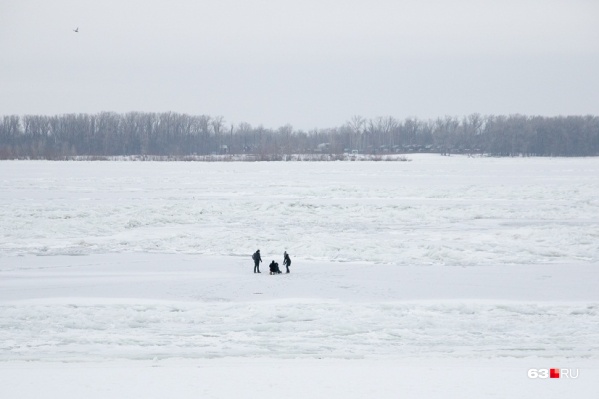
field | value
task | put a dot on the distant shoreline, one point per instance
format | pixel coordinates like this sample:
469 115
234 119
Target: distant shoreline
225 158
262 158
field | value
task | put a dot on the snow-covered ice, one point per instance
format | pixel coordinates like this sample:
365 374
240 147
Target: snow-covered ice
440 277
432 210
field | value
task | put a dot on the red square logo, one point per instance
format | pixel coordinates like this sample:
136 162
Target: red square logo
553 373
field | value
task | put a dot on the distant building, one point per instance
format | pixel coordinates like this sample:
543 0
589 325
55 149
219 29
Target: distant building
323 147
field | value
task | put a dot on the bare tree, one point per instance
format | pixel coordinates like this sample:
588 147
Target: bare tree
173 134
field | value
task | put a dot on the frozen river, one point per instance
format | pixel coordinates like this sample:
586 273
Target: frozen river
440 277
433 210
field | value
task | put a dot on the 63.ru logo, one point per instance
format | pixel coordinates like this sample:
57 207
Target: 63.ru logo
553 373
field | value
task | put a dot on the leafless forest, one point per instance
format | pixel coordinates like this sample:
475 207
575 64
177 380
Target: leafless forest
176 135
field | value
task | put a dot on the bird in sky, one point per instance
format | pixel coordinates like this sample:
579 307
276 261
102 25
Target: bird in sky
76 30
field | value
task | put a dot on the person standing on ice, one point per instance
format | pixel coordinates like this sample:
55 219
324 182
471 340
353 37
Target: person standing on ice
257 259
286 261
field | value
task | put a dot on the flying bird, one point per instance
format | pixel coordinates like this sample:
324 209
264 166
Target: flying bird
76 30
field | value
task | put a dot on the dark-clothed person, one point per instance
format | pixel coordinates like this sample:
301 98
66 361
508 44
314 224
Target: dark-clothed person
286 261
274 268
257 259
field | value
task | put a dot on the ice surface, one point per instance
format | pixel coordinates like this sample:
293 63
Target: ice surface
161 306
441 277
433 210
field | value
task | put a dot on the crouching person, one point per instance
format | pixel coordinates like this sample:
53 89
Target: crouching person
274 268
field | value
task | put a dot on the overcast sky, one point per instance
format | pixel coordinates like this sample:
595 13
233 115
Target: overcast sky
308 63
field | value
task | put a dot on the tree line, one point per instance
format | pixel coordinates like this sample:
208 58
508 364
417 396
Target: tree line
176 134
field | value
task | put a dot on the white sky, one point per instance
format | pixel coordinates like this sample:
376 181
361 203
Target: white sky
309 63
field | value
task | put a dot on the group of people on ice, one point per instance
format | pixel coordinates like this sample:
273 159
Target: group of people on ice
274 266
